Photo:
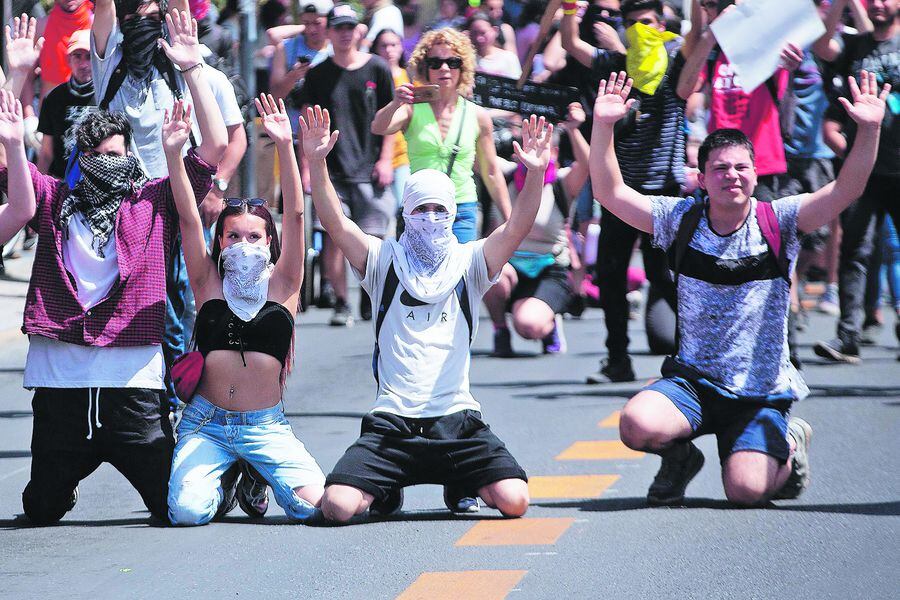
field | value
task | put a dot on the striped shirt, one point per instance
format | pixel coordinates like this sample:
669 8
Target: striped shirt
650 142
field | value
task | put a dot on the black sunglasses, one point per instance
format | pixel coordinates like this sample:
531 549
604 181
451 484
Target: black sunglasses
236 202
435 62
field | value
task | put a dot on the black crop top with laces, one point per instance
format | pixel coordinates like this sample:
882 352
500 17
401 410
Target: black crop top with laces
269 332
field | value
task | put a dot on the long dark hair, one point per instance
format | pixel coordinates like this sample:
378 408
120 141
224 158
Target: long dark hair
245 209
402 62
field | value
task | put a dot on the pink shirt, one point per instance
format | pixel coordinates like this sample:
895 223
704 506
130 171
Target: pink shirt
753 113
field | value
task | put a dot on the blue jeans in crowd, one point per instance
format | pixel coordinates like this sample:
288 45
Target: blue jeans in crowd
465 227
211 439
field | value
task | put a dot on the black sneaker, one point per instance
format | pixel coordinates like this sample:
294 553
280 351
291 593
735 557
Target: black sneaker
838 351
576 306
503 343
391 505
73 500
613 370
327 297
341 316
252 492
365 306
679 466
798 480
230 480
871 332
459 502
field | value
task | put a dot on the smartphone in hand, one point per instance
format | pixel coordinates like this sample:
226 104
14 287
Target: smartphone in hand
425 93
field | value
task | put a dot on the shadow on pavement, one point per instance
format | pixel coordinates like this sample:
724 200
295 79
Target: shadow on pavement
404 517
15 414
22 522
597 392
14 454
886 509
839 391
343 415
527 384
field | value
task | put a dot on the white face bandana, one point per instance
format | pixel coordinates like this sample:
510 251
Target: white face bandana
246 282
429 260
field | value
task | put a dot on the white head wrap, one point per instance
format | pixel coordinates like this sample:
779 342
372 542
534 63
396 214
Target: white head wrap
429 260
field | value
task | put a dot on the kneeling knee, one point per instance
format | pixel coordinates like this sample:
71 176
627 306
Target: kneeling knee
336 509
515 506
747 495
187 510
633 433
531 329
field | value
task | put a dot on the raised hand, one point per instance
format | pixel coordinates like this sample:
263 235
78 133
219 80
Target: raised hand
534 152
22 50
575 116
184 50
791 56
404 94
12 128
612 98
316 134
176 127
867 108
274 119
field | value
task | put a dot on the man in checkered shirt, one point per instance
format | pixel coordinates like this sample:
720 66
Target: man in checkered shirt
96 304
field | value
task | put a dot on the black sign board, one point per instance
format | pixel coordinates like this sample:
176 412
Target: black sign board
541 99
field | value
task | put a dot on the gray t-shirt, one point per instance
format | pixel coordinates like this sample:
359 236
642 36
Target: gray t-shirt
732 303
145 107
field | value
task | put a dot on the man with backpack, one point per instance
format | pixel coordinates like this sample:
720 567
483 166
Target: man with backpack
732 256
425 425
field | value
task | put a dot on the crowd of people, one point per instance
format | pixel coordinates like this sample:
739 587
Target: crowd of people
161 291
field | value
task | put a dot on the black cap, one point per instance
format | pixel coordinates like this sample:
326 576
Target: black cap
342 14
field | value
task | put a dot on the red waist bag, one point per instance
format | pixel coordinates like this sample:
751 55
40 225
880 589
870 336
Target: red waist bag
186 372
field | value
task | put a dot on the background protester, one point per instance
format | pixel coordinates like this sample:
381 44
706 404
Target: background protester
65 18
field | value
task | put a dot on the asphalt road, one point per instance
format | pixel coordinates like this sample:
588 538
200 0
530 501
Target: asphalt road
588 534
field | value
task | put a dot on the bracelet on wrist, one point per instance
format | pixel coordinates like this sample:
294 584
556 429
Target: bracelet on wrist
567 6
570 11
192 67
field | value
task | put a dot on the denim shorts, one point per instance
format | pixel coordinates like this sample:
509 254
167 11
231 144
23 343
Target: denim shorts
465 227
211 439
739 425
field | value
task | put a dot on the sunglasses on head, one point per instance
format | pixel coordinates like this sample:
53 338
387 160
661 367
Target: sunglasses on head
436 62
236 202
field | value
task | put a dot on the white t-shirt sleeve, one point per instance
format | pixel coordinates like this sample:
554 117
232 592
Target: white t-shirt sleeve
375 273
477 276
225 97
102 68
667 212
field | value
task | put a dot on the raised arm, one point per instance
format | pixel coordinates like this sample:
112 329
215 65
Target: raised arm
21 206
104 19
318 140
489 165
289 268
202 274
396 114
577 48
826 47
867 110
184 52
534 153
690 81
606 179
578 171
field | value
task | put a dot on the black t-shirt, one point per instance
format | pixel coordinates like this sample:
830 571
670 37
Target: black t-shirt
60 112
352 98
863 51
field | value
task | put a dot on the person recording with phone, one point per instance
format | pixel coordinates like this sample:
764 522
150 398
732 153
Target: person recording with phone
447 133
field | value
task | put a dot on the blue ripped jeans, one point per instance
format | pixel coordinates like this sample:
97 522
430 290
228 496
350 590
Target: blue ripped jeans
211 439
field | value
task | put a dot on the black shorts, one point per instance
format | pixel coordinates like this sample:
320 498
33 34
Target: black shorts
551 286
393 452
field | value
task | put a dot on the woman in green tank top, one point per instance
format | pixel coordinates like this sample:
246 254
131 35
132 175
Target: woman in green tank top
448 133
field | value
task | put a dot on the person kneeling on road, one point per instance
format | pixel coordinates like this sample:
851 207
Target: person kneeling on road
732 257
425 426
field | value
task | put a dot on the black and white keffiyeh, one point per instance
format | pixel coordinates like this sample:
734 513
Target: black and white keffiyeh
105 181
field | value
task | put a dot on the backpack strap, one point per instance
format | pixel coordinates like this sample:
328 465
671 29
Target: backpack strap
115 82
391 282
771 233
689 222
455 150
462 294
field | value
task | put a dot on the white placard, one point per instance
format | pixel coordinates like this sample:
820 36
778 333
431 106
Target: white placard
753 33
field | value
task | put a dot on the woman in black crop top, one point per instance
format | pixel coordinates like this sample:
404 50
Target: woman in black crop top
248 290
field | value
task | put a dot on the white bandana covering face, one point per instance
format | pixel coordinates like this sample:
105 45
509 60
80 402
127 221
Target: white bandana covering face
429 260
246 282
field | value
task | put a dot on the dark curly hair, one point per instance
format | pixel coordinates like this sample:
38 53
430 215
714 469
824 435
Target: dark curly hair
98 126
